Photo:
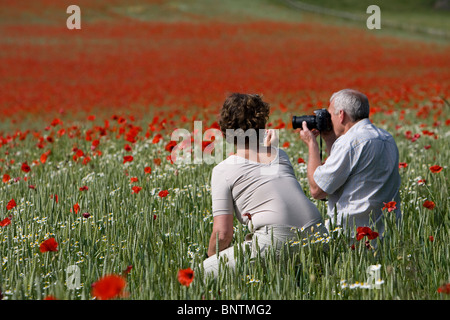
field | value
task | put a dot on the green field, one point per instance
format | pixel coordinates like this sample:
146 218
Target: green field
423 13
158 236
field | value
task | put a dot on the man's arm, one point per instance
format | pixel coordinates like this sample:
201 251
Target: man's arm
223 229
313 161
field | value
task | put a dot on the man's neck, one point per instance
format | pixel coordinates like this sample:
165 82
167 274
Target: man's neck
349 125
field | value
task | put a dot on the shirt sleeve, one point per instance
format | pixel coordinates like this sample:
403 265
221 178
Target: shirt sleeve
335 171
222 200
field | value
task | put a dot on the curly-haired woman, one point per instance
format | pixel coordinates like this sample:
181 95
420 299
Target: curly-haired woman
259 186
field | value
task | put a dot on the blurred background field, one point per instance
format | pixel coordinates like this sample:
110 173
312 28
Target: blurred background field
169 54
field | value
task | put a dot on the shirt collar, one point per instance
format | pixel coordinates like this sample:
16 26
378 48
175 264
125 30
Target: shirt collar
359 124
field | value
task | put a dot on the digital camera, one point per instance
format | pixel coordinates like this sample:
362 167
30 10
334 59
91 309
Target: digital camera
320 121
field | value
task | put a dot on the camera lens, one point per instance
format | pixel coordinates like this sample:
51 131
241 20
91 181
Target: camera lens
297 122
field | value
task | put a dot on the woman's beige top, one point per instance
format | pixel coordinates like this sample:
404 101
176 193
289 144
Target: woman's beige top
269 192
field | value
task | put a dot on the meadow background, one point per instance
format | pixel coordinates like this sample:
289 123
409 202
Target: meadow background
87 117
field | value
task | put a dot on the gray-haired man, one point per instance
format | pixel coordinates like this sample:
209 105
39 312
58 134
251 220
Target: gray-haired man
361 171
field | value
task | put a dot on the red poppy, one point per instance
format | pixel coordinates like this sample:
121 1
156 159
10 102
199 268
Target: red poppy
157 161
365 231
109 287
431 238
421 182
127 159
402 165
186 276
286 144
121 120
25 167
54 197
300 160
76 208
157 138
44 156
5 222
163 193
127 270
134 179
11 204
214 125
127 148
444 288
97 153
79 153
415 137
429 204
148 170
170 159
6 178
390 206
206 145
55 122
49 245
95 144
86 160
84 188
131 135
436 169
50 297
280 125
136 189
169 147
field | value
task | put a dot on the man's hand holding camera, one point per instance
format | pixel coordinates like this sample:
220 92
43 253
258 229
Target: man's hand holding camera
309 136
313 126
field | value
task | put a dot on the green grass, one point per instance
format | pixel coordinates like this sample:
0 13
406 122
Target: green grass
215 10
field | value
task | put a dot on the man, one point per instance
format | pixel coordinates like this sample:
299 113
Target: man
361 173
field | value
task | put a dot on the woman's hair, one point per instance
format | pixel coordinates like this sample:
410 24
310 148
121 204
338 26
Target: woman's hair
241 113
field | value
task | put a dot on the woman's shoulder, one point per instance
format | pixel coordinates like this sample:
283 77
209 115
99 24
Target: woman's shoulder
225 163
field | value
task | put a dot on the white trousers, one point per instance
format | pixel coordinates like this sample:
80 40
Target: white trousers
262 240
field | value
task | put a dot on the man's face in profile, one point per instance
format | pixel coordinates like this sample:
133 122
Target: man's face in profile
335 120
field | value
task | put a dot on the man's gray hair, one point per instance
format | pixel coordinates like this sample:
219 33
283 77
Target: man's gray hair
353 102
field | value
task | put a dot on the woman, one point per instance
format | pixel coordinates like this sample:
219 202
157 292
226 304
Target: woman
258 184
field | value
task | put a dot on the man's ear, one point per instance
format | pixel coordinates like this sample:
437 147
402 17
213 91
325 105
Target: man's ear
341 116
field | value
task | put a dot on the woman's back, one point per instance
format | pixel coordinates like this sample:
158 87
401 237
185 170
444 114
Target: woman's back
269 192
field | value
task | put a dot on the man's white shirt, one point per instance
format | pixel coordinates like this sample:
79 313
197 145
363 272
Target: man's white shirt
360 175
